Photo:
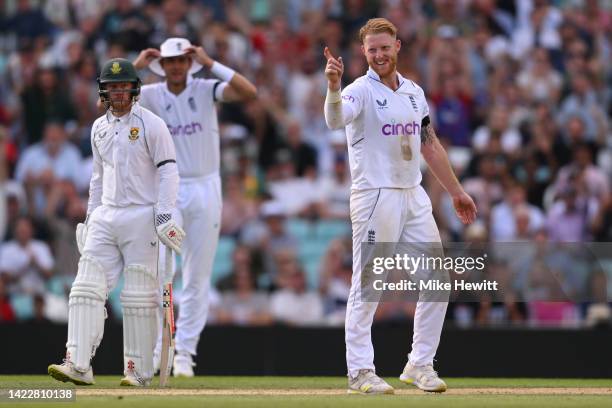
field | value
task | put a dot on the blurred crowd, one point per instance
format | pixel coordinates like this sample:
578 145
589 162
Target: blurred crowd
519 92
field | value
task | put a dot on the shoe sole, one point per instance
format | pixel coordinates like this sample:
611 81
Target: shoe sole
357 392
410 381
60 376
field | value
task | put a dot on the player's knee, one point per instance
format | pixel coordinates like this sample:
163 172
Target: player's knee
90 282
141 288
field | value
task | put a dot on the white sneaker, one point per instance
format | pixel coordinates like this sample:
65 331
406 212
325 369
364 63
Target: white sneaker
183 365
424 377
367 382
132 379
66 372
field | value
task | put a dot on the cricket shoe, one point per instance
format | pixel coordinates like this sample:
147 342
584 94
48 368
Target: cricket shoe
423 377
367 382
132 379
183 365
66 372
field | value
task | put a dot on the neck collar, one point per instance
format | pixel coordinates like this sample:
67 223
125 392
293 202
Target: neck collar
188 81
373 75
110 117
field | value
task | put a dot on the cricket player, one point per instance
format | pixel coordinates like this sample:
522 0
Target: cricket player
187 105
132 195
387 126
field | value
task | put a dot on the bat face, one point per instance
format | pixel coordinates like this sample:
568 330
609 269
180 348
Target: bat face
168 329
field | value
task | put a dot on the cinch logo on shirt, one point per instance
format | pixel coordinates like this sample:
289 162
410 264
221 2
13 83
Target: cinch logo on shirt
185 130
401 129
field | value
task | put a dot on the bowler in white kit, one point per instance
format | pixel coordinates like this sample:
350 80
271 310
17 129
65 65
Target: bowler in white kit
187 105
388 128
132 195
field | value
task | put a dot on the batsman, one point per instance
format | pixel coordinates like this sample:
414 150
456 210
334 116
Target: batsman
132 195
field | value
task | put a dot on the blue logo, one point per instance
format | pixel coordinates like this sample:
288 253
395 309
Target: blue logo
191 103
382 105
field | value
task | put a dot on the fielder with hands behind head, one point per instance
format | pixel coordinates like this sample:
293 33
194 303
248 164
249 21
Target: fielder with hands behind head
132 195
388 128
187 105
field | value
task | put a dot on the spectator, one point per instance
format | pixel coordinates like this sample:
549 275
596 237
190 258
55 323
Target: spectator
126 24
241 304
238 209
45 101
503 219
335 191
39 310
25 263
499 130
45 163
569 219
172 22
7 314
292 304
582 174
303 155
584 102
29 23
540 82
336 274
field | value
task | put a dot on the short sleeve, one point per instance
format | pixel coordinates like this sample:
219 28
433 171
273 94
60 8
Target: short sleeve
160 142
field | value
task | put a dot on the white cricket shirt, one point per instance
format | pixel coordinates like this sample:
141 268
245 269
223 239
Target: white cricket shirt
191 117
127 152
384 132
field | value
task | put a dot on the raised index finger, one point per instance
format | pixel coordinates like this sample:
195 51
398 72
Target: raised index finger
328 54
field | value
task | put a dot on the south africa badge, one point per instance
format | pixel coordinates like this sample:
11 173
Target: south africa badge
134 134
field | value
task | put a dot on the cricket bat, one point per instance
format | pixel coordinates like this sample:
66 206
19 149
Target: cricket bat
167 351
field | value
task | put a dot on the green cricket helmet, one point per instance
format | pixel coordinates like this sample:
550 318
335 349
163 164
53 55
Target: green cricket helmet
118 70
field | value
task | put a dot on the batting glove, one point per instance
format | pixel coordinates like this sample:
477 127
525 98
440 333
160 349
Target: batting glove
170 234
81 235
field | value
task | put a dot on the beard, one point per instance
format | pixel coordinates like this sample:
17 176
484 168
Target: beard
120 105
386 69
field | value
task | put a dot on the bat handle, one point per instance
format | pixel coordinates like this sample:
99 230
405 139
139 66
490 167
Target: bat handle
168 273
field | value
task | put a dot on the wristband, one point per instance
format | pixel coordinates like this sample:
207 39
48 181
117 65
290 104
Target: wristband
333 96
222 72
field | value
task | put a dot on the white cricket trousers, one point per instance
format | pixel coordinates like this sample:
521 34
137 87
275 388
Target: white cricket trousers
199 214
118 237
390 215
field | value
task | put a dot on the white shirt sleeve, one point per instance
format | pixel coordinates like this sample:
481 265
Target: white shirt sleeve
164 156
351 106
95 184
218 89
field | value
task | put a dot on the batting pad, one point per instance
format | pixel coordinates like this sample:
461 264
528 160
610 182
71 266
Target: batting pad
86 313
140 301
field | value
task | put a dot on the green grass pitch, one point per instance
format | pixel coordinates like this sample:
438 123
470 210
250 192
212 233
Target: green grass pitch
324 392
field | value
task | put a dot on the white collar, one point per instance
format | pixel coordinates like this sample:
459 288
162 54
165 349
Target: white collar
123 119
400 79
